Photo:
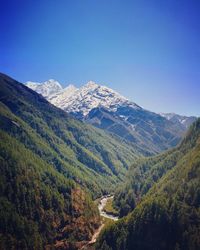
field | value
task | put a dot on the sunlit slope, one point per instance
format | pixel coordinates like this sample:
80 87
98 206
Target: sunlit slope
87 155
50 166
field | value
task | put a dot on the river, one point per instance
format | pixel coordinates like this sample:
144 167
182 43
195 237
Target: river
101 206
102 202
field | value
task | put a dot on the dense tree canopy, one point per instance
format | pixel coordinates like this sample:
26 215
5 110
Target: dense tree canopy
50 166
168 213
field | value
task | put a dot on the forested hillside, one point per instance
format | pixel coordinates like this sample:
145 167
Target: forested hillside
51 164
37 204
147 171
168 216
79 151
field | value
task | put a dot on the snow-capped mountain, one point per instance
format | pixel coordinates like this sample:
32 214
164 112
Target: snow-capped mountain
46 88
106 109
82 101
60 98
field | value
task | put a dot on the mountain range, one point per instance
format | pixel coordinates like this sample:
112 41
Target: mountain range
106 109
54 166
183 120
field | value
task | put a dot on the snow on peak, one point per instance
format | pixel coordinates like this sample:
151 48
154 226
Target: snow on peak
46 88
60 98
53 83
92 95
70 86
83 100
33 85
91 85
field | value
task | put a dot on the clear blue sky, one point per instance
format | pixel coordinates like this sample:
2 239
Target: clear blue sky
148 50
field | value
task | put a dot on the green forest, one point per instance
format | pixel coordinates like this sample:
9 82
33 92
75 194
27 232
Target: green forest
165 198
54 168
100 125
48 159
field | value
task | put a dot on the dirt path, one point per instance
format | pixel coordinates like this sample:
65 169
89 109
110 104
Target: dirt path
94 238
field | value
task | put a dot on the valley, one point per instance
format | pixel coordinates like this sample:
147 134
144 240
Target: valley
167 214
63 156
54 166
100 125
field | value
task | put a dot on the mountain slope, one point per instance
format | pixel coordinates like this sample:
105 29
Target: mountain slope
168 216
79 151
180 120
144 173
37 203
50 165
146 129
106 109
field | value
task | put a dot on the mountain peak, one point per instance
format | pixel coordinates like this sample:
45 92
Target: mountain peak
46 88
91 84
70 88
52 82
83 100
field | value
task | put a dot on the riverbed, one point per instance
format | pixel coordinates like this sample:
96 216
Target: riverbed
101 206
102 202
